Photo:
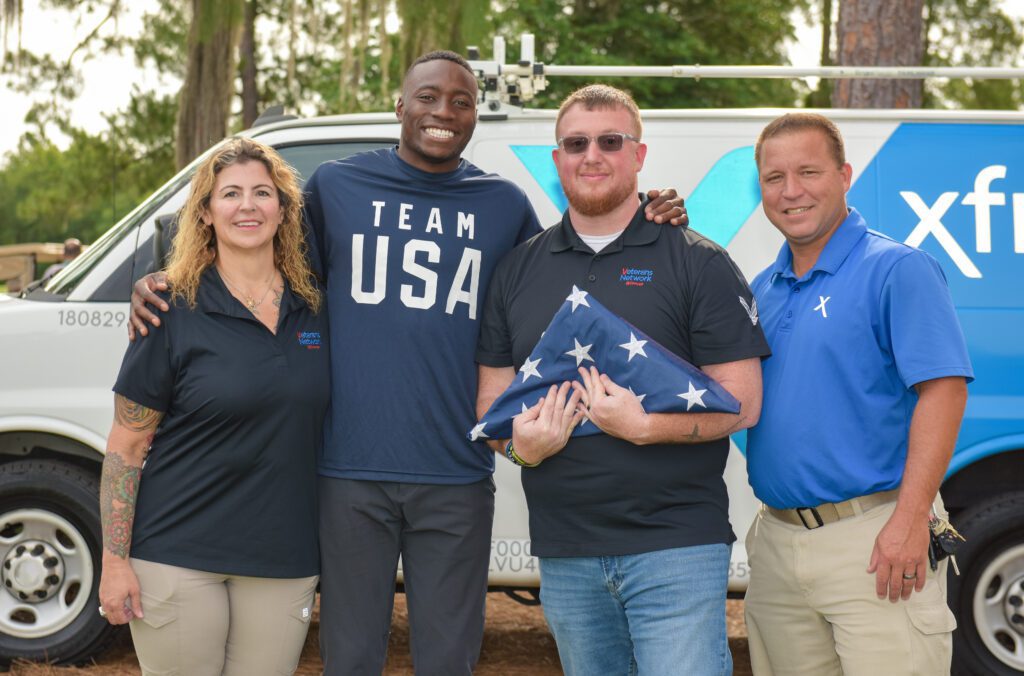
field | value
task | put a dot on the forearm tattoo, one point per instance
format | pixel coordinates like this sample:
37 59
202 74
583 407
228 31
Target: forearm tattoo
693 436
119 480
119 486
134 417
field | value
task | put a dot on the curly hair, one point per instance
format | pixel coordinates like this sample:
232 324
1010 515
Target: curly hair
194 248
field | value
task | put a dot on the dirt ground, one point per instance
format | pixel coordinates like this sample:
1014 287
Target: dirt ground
516 643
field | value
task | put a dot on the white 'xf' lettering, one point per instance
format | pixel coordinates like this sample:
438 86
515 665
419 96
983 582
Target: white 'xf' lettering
930 223
981 199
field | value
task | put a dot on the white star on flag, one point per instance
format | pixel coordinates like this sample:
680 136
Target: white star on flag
478 431
693 396
639 397
634 347
577 298
529 368
582 352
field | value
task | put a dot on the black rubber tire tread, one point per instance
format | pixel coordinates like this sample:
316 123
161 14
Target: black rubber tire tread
990 528
73 493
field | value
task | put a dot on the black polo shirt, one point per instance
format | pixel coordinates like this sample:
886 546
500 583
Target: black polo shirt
603 496
229 483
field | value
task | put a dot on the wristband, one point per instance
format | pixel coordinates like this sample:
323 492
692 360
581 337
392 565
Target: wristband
510 453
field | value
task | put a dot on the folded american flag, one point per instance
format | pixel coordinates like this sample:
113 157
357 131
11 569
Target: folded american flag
585 333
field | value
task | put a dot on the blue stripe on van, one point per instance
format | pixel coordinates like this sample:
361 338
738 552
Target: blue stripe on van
537 160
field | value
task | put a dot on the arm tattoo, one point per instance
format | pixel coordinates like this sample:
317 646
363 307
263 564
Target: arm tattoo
696 437
119 486
135 417
693 436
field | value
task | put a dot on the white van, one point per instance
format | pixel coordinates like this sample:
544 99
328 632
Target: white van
949 182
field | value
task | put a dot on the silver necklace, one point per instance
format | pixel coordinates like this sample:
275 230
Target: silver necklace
249 301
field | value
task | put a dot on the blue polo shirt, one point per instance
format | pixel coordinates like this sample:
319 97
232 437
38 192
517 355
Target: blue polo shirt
849 340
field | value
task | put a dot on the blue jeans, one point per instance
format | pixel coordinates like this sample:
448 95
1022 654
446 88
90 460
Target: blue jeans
654 614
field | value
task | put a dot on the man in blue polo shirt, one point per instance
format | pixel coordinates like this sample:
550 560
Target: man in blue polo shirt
863 397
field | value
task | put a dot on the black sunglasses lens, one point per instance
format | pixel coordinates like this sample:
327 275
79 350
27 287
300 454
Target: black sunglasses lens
575 144
609 143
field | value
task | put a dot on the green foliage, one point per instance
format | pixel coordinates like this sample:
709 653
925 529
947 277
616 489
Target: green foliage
47 194
972 33
332 56
661 33
162 42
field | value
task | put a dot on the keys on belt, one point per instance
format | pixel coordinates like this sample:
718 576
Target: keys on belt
830 512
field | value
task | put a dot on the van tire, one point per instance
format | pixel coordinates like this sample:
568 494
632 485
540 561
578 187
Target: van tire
50 547
990 586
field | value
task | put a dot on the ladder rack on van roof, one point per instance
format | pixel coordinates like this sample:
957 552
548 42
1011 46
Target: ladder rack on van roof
519 82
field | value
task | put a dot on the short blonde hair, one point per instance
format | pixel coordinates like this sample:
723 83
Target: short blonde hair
195 244
601 97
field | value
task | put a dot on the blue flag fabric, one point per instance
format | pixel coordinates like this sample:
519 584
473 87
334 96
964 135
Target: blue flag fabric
585 333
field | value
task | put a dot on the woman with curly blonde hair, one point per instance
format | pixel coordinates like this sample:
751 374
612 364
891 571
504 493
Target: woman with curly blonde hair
207 497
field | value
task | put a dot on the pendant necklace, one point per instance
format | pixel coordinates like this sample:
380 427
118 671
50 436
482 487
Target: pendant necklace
249 301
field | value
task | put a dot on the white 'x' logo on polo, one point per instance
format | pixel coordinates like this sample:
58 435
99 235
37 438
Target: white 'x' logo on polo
821 305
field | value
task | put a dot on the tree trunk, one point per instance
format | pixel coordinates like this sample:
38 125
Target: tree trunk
385 50
250 91
879 33
293 46
345 72
205 99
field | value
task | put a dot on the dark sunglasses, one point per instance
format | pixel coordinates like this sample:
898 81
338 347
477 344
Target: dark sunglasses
606 143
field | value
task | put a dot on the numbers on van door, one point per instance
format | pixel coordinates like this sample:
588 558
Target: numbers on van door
91 318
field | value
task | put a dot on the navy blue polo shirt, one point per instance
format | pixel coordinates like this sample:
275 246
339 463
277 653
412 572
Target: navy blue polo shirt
604 496
229 482
850 339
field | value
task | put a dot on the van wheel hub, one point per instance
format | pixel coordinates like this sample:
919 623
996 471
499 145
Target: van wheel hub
32 572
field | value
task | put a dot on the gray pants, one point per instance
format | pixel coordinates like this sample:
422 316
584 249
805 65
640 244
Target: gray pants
207 624
443 533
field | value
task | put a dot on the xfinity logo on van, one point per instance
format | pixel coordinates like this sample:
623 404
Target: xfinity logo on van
956 191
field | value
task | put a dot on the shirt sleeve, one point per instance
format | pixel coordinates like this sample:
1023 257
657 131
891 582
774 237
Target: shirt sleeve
494 347
313 219
146 376
925 334
724 325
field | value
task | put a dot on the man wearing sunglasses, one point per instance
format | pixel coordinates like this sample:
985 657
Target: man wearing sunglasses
631 526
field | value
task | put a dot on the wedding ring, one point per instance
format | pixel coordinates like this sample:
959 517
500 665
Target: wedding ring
103 613
909 577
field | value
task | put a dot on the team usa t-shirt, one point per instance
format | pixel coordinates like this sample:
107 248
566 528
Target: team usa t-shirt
407 257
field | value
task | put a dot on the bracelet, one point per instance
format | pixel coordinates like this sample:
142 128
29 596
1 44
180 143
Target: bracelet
510 453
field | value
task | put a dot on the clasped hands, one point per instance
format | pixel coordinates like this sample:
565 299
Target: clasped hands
543 429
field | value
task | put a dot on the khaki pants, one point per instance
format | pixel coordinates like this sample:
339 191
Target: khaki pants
199 624
811 607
